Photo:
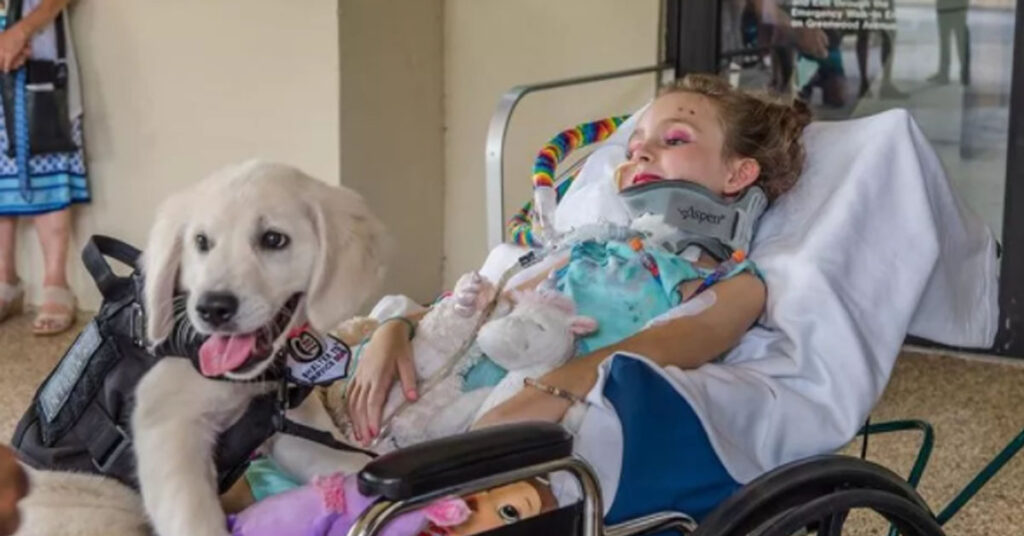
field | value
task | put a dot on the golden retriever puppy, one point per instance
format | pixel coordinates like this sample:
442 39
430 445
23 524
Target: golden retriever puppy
254 250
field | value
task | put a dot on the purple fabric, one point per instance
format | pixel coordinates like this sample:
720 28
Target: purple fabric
303 512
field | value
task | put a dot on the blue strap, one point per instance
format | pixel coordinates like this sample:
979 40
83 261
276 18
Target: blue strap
726 270
21 136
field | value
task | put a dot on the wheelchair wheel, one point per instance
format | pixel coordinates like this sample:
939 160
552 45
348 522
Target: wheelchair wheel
906 516
817 495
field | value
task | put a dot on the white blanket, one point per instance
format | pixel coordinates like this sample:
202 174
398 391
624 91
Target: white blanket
872 244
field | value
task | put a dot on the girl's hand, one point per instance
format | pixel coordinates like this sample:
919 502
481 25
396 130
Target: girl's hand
388 354
14 48
13 487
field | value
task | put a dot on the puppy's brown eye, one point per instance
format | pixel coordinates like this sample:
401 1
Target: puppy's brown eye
202 243
274 240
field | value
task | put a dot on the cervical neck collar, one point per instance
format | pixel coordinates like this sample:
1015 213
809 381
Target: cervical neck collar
698 216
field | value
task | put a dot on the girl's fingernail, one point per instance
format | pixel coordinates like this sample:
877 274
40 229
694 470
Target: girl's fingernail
411 394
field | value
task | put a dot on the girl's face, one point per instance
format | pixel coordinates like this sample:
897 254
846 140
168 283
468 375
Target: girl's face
680 137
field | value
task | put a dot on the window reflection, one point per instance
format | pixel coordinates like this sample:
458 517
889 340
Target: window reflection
947 61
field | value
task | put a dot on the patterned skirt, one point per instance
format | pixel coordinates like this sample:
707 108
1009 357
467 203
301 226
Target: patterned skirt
52 181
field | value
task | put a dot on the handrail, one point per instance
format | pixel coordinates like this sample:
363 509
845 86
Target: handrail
495 149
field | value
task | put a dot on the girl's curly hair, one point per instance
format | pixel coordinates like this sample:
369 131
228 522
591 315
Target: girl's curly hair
756 126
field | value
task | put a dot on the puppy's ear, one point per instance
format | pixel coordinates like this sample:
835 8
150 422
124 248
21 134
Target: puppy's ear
160 263
353 246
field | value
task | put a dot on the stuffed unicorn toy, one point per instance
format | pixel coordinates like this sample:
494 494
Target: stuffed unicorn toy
537 336
528 334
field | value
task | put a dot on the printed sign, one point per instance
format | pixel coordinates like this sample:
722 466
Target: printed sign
843 14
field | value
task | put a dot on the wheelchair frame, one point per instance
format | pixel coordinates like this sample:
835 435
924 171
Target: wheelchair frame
811 494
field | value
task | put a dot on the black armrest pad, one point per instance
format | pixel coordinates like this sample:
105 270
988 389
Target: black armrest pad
435 465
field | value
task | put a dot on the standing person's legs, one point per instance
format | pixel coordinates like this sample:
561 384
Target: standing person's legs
11 293
945 27
57 310
887 49
782 69
863 40
889 90
963 49
8 229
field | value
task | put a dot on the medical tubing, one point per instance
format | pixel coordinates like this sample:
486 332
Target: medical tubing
520 225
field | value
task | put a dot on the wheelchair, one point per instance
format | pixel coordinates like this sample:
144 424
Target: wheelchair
812 495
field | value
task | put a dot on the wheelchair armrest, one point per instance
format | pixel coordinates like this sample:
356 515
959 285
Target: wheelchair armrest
439 464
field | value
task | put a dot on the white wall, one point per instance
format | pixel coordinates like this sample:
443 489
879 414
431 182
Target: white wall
176 89
392 129
492 45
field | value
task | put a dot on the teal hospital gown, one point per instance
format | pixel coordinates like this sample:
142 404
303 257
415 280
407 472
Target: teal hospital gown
622 288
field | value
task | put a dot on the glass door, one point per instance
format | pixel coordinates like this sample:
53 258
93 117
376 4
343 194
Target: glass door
951 63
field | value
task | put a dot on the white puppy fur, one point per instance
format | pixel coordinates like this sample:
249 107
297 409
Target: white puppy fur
212 238
69 504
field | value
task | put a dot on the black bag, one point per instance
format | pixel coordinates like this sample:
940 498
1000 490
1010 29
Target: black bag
46 97
80 417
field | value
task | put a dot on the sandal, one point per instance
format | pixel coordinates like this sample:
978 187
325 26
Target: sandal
12 298
61 314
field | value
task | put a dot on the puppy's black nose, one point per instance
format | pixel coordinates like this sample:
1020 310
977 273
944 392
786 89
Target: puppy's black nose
216 308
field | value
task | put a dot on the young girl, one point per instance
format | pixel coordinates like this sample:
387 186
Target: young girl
698 130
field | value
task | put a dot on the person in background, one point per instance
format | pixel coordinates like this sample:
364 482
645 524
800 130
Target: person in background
40 186
887 90
951 18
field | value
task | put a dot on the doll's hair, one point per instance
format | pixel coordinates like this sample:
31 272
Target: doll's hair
548 502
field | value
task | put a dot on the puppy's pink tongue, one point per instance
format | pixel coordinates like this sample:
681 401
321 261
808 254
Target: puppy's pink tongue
220 354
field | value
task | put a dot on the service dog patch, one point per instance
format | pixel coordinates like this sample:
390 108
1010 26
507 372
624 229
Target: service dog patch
314 359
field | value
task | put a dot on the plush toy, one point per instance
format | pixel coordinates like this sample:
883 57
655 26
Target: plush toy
537 336
331 505
443 408
446 329
529 334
